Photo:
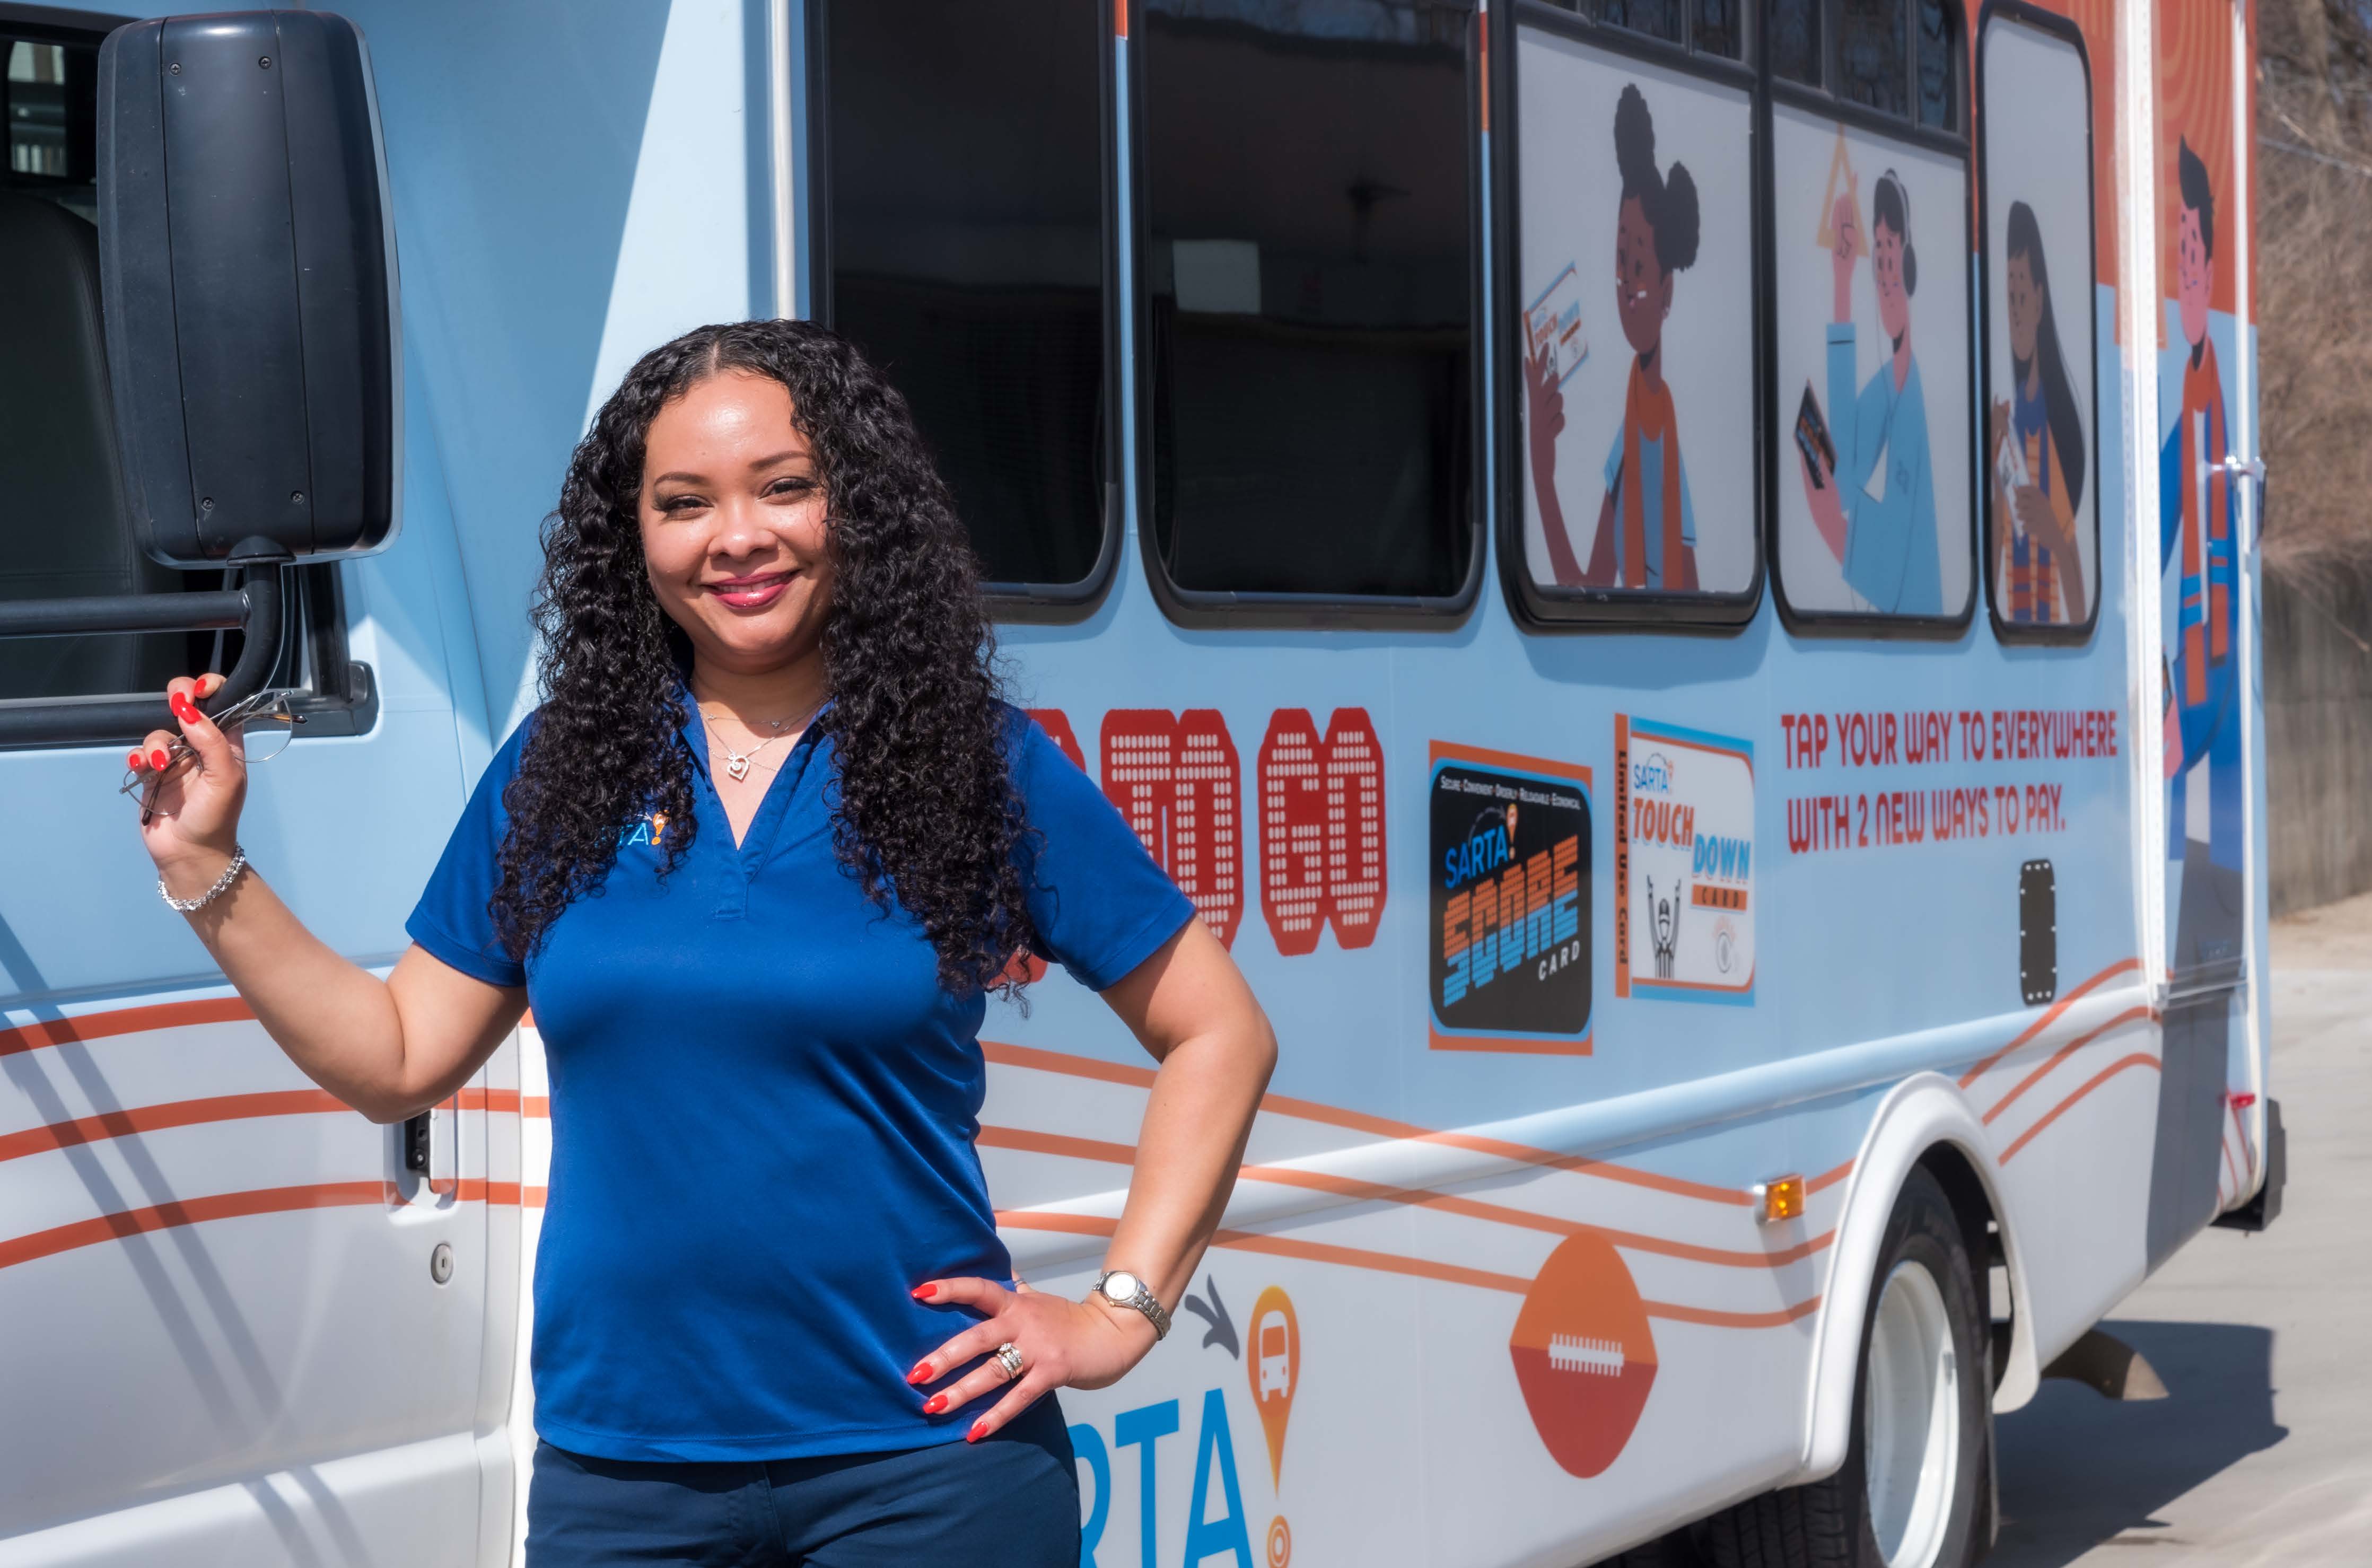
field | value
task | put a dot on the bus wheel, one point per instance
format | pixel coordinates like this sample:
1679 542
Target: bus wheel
1915 1489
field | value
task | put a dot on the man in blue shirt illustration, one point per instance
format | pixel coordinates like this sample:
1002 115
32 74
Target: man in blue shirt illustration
1875 509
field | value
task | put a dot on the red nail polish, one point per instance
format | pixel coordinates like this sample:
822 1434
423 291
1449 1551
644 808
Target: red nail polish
934 1404
978 1430
922 1372
924 1292
183 709
157 759
131 761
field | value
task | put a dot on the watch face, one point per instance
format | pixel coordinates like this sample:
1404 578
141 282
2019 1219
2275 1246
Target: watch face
1119 1285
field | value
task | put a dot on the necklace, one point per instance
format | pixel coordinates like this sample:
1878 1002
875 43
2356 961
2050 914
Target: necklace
736 763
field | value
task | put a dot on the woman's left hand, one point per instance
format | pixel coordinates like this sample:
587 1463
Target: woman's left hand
1064 1345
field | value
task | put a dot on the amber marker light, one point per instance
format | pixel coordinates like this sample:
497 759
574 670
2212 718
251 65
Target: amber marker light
1782 1198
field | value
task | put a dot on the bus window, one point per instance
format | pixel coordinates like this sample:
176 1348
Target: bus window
1637 489
1793 40
1938 67
1709 26
66 528
1871 412
961 245
1307 269
1715 27
1871 58
1651 19
2042 468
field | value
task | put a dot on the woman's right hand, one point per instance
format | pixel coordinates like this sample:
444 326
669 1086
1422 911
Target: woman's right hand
1544 416
191 827
1844 247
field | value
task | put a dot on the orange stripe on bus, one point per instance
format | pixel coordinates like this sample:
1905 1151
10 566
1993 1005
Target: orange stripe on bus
497 1100
184 1212
121 1021
1713 1317
1360 1121
1379 1262
1370 1192
156 1118
1448 1273
2050 1016
2139 1059
2062 1054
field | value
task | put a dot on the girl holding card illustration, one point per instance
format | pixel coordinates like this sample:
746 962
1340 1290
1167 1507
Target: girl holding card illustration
1873 502
1646 528
2036 440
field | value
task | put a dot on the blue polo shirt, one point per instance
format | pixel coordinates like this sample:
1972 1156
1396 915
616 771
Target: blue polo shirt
763 1108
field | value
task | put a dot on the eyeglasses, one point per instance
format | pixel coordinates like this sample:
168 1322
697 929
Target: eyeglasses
259 726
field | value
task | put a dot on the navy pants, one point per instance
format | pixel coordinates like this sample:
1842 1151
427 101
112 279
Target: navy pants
1010 1500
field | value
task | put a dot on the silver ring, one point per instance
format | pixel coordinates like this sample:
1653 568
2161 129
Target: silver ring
1010 1359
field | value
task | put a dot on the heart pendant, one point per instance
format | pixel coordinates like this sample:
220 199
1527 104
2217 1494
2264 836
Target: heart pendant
739 767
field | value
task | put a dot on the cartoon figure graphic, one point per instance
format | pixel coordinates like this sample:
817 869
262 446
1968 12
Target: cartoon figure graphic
2036 436
2198 512
1646 528
1875 503
1664 920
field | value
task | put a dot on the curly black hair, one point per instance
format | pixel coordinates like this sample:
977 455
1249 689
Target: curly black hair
1668 202
924 808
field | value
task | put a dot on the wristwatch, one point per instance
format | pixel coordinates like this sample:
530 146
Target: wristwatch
1120 1288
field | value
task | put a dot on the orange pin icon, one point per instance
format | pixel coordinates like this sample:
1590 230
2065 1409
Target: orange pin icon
1275 1368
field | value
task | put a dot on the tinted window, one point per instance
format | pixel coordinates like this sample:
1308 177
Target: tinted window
966 253
1637 402
1656 18
1870 54
1714 29
1794 43
1939 72
1308 273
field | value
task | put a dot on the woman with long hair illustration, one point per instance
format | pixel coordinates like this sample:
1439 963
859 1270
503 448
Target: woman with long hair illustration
1875 508
2036 443
1646 530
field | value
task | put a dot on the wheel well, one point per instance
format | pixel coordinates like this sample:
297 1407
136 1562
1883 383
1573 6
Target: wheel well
1981 1234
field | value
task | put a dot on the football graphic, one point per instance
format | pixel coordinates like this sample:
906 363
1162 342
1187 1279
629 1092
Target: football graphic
1585 1357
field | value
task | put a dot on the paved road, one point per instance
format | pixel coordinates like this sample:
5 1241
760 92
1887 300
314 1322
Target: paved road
2264 1453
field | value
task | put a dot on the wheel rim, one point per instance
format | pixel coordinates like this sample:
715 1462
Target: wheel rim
1912 1419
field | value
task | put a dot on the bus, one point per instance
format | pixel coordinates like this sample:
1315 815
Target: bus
1757 982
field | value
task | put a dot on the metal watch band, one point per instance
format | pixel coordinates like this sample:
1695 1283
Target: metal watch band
1142 1299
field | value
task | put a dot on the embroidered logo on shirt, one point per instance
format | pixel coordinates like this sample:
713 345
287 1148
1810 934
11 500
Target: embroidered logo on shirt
646 833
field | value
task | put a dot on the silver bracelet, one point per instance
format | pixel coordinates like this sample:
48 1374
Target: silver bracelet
222 885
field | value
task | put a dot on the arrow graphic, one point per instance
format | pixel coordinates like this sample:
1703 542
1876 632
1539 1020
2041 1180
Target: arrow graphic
1223 1328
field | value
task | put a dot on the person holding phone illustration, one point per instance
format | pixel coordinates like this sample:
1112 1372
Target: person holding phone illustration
2199 514
2036 443
1646 533
1875 503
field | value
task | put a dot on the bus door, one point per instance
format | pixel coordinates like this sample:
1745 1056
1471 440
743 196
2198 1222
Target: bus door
2211 1151
242 1323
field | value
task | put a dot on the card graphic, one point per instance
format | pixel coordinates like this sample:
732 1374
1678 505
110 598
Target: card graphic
1553 325
1509 928
1684 864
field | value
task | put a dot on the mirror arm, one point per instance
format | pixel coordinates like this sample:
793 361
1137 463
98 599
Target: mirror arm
253 610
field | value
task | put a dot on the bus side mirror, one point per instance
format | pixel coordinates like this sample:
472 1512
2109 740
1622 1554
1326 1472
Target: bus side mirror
246 258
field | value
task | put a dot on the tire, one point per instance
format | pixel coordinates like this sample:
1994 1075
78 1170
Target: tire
1916 1488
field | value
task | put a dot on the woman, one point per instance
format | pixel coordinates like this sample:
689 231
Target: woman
1646 530
1876 511
757 861
2037 563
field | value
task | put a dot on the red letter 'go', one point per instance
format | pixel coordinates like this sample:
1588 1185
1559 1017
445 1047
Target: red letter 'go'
1321 808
